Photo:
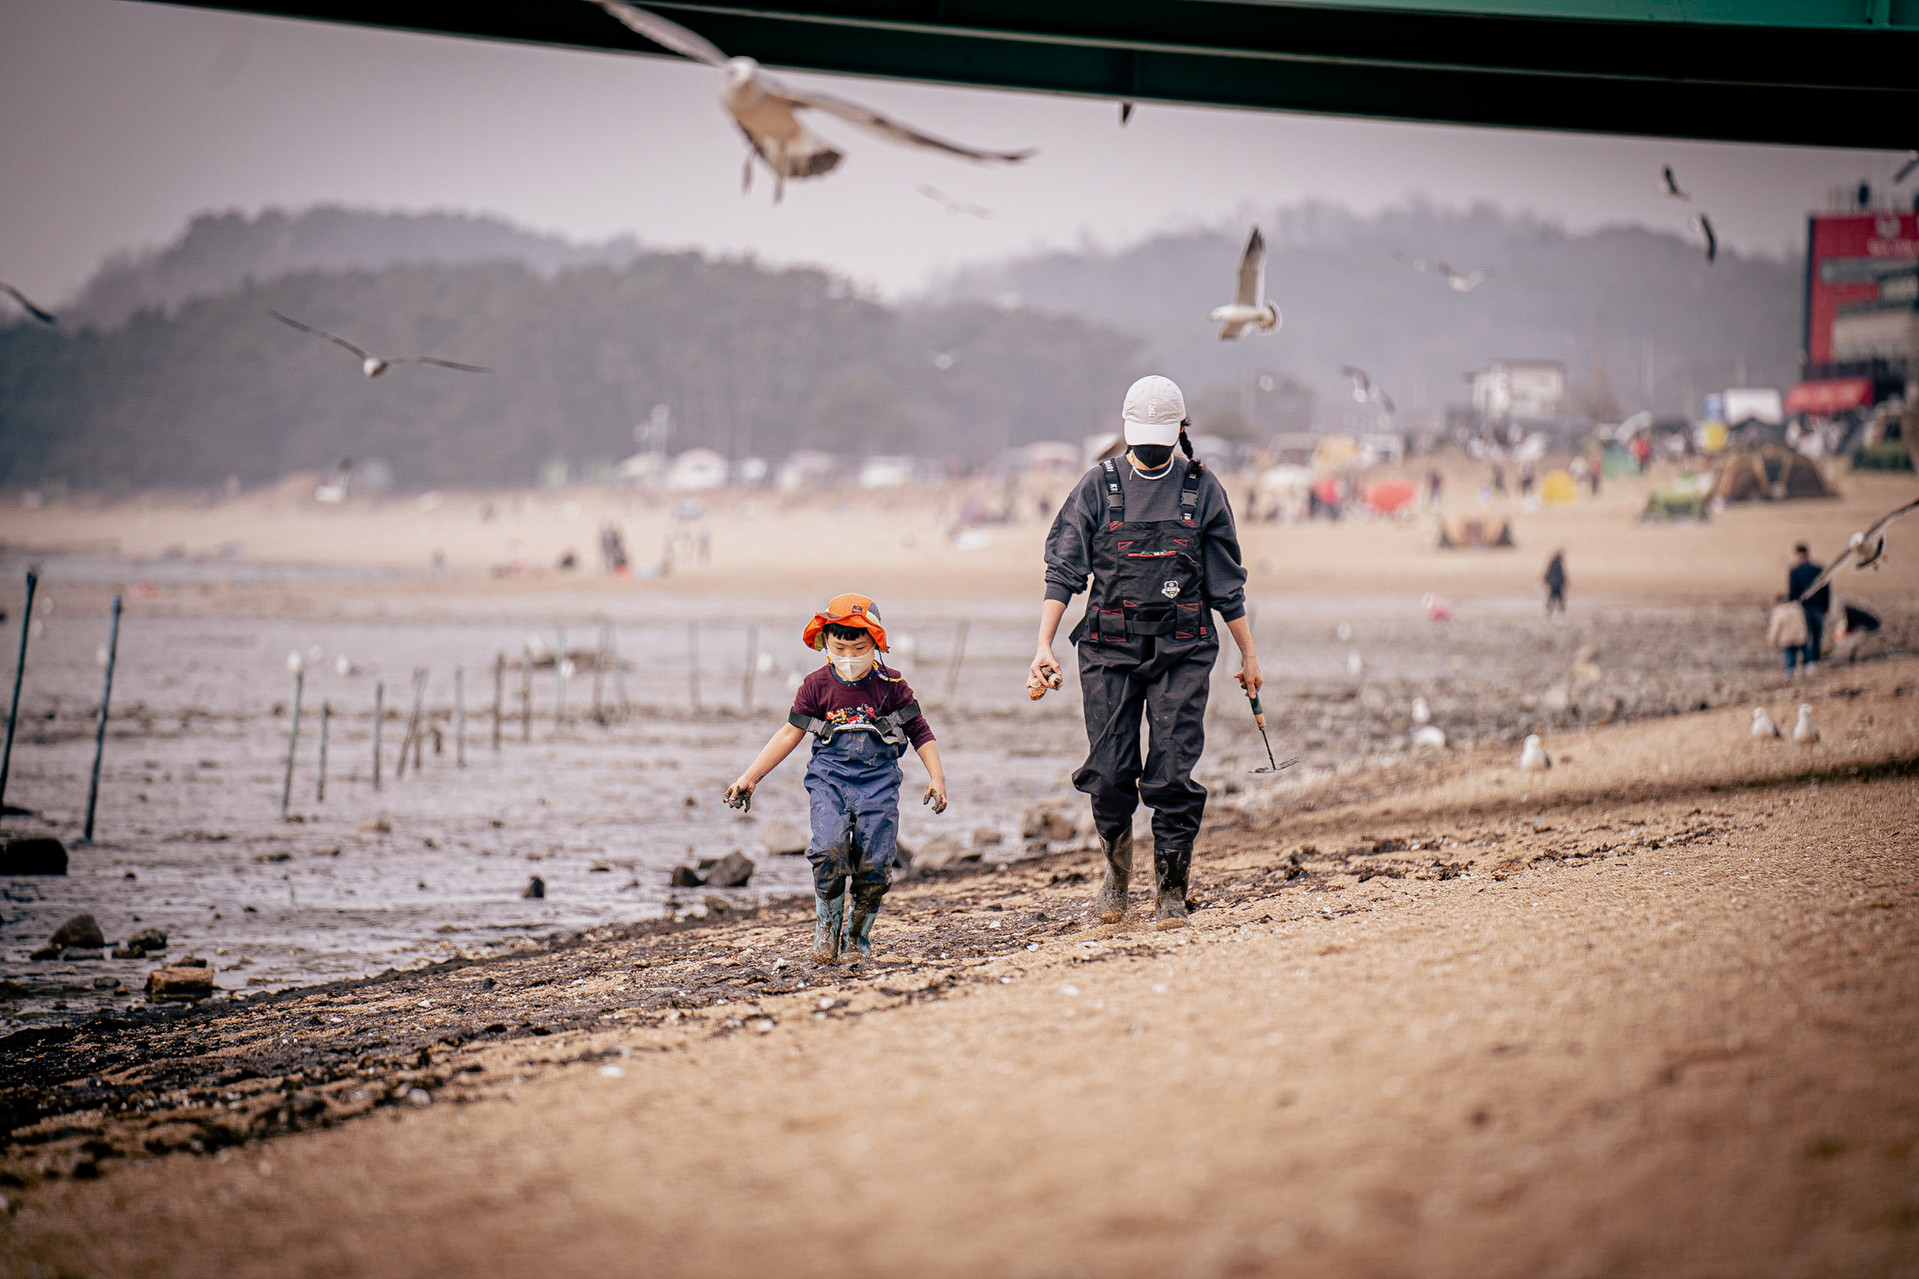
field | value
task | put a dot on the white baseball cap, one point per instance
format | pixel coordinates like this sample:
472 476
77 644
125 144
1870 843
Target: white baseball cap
1154 409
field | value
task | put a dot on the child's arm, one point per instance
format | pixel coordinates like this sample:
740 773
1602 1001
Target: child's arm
936 777
777 748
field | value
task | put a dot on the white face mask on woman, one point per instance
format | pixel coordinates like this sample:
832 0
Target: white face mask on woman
851 669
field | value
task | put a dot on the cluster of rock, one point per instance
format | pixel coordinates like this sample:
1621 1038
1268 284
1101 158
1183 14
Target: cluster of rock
730 871
81 937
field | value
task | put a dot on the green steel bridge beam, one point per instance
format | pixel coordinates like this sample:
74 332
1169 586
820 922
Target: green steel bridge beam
1810 72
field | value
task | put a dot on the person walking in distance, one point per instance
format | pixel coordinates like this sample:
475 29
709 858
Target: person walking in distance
1154 534
1802 574
1555 582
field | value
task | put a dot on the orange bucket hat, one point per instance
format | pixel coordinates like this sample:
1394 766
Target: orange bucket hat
850 609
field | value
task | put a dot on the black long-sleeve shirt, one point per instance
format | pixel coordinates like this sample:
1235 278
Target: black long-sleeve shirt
1069 560
1799 578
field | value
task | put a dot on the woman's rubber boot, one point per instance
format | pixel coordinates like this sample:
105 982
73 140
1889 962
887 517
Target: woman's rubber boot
826 929
859 928
1170 868
1109 905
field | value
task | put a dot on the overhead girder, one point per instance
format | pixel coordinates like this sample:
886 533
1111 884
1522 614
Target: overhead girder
1811 72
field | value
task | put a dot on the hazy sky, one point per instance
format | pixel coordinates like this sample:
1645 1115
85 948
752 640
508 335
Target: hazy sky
122 120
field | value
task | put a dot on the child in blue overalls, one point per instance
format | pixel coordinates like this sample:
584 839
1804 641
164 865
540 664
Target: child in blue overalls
862 718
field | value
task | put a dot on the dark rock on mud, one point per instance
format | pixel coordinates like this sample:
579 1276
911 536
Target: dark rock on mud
730 871
33 855
535 887
685 877
83 931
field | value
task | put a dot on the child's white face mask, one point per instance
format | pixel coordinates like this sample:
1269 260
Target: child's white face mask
851 668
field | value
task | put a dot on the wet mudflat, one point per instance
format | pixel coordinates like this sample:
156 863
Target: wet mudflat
1647 1013
602 787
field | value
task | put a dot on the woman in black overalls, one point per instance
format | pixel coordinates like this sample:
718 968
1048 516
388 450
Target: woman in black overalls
1154 532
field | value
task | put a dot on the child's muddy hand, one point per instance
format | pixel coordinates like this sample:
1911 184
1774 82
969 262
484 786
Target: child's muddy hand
936 796
740 795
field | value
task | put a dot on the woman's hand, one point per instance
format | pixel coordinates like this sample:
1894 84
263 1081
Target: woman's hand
740 795
936 794
1248 674
1044 673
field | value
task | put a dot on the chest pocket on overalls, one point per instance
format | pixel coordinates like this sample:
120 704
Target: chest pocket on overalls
1149 576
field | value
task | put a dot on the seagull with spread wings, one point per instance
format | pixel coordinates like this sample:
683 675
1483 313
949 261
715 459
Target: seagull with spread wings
370 364
1461 281
767 109
1249 305
1364 392
1864 550
45 317
952 204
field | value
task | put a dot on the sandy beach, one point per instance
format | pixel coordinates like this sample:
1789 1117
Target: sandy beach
1646 1013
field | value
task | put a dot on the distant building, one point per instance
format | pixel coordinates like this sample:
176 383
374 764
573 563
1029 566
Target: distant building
1520 393
696 469
1861 334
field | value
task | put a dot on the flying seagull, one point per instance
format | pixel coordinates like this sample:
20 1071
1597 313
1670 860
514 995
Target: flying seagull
373 365
953 205
1669 185
45 317
767 109
1864 550
1364 392
1249 305
1126 113
1702 224
1905 170
1460 281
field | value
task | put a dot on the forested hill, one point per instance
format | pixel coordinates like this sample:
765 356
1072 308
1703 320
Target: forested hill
751 361
1646 301
219 252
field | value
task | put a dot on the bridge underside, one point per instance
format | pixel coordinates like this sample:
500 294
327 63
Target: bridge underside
1815 72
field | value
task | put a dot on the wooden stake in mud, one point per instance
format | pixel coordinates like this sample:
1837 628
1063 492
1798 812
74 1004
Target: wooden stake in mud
619 668
19 670
326 717
379 720
412 726
959 657
693 662
559 681
293 740
459 717
599 678
526 697
752 666
499 690
100 733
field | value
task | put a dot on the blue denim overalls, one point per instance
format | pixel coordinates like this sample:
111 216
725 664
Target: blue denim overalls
853 786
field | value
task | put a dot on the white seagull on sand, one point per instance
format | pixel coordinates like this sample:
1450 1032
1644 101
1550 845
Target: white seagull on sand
1364 392
1422 713
1805 732
1762 725
1863 550
45 317
767 110
1426 737
1533 757
1249 305
373 365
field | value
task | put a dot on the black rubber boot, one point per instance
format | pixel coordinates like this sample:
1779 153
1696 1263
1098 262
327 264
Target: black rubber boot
1109 905
1170 869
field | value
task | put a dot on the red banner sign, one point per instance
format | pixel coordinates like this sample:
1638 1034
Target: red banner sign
1847 259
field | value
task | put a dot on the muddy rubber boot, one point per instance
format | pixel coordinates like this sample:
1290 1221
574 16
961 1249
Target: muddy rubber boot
859 926
826 928
1170 868
1109 904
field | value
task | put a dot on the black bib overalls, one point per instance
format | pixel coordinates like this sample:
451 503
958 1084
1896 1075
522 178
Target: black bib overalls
1146 647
